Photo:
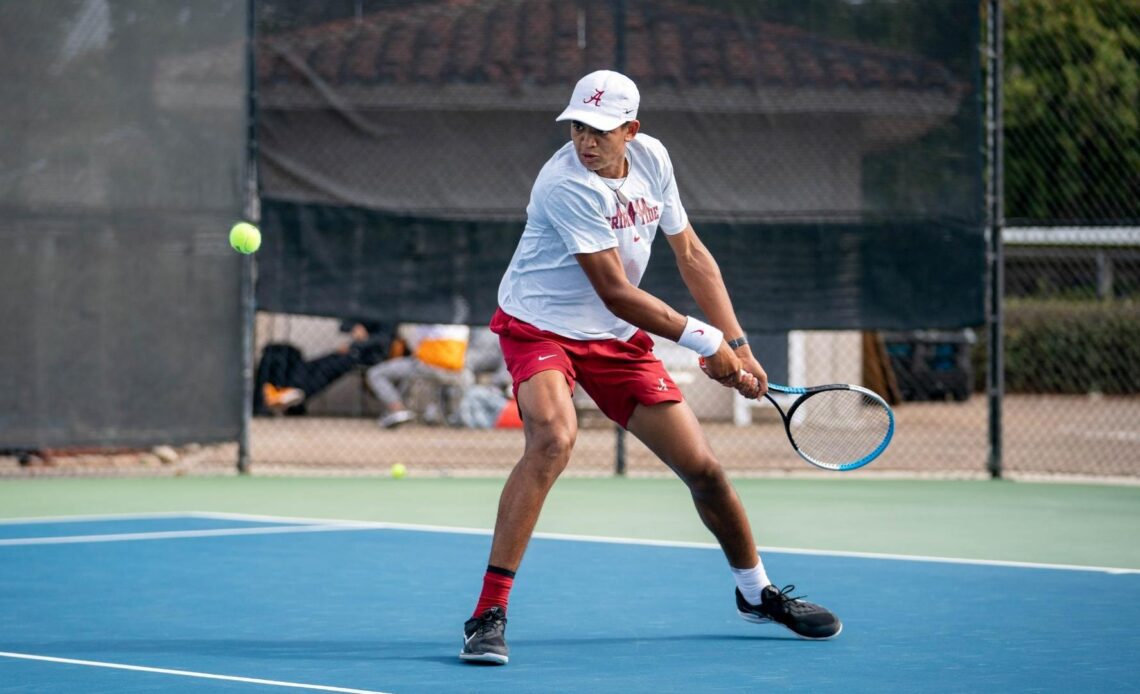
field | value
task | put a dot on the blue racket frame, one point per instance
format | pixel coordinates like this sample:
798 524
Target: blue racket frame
804 394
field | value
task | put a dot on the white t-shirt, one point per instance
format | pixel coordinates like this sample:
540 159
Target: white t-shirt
574 210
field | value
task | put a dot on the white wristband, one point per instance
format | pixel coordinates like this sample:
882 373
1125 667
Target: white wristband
700 337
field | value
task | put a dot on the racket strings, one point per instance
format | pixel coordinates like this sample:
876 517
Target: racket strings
836 427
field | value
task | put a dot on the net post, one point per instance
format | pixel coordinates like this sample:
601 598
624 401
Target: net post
995 285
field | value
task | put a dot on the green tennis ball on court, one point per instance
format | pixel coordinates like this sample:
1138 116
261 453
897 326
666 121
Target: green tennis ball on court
245 238
399 471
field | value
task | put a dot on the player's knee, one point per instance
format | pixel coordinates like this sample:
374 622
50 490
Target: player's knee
556 445
550 449
707 479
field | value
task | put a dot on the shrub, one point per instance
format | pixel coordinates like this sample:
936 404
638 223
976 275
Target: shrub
1068 347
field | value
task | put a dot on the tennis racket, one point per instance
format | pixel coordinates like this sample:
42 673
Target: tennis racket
836 427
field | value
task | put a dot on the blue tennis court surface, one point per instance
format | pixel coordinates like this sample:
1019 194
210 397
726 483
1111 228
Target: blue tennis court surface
230 604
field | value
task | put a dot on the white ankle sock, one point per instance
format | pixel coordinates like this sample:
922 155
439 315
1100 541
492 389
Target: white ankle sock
751 581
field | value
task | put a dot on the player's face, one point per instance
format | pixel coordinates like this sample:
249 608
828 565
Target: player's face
602 152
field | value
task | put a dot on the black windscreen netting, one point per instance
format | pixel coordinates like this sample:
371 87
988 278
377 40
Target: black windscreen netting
123 147
828 152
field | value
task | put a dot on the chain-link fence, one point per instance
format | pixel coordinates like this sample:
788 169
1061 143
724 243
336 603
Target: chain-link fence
1072 412
1071 88
851 138
840 140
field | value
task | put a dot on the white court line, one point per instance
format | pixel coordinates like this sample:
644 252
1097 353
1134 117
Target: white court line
188 673
93 517
327 525
179 534
702 545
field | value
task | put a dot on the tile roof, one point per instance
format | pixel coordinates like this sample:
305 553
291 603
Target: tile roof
669 44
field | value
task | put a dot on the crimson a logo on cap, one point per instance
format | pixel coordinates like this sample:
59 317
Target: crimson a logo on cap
596 98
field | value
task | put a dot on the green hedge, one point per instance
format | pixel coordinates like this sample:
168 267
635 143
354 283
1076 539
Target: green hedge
1068 347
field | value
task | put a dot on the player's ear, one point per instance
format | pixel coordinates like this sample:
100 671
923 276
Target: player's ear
631 129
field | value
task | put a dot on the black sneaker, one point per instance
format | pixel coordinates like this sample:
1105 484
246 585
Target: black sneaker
806 619
483 638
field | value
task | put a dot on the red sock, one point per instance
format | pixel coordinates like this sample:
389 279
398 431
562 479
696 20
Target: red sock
496 589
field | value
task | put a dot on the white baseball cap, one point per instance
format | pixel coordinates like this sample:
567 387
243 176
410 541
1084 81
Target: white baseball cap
604 100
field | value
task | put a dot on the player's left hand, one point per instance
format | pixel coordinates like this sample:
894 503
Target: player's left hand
752 380
755 381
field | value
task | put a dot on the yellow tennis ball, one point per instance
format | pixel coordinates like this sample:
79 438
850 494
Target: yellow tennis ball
245 238
399 471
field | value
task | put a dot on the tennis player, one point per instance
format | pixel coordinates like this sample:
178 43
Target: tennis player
570 313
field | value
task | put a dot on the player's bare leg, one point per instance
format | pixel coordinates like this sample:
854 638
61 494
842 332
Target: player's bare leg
672 432
550 425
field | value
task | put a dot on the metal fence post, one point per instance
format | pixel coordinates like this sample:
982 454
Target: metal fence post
995 378
252 213
619 451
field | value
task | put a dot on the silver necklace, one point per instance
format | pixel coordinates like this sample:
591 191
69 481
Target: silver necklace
616 190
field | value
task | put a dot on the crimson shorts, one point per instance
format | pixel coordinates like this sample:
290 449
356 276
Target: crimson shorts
619 375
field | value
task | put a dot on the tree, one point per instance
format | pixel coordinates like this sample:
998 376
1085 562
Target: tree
1072 110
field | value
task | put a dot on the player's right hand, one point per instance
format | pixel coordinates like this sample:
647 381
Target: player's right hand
723 367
